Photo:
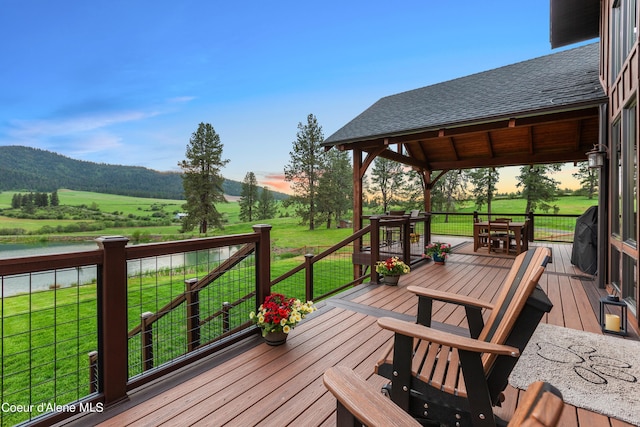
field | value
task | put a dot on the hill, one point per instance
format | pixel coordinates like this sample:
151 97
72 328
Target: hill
26 168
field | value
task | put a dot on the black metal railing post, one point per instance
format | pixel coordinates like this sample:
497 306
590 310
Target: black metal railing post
406 238
375 248
531 226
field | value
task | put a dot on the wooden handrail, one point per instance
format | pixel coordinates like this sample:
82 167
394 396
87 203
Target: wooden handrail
199 285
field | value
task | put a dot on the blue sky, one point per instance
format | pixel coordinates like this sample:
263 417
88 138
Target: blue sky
127 82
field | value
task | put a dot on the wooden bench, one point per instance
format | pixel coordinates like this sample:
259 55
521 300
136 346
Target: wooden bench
358 403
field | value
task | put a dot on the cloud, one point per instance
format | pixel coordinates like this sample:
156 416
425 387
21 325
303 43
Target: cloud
276 182
181 99
33 129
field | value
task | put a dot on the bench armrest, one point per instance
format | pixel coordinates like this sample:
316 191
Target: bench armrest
444 338
473 307
449 297
358 398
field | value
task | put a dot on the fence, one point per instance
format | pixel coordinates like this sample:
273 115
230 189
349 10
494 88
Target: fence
90 326
545 227
82 329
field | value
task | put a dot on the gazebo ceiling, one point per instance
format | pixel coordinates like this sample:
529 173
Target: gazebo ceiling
544 110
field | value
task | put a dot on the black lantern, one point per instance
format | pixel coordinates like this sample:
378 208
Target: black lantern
597 156
613 323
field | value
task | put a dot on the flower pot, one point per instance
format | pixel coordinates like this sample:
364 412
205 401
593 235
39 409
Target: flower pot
438 260
392 279
275 338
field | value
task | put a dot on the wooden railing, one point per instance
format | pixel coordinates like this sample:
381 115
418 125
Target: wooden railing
108 379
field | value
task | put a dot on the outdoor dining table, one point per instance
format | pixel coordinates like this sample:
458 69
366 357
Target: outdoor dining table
519 230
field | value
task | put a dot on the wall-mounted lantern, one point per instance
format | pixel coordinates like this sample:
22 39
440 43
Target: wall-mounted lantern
597 156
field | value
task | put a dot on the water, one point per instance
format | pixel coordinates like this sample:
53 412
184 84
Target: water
17 250
24 283
17 284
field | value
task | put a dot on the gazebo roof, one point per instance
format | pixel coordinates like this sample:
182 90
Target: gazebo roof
493 118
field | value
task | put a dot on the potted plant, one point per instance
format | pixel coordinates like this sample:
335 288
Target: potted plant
277 315
392 268
438 251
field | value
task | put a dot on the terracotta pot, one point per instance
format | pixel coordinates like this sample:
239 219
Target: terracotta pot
391 280
276 338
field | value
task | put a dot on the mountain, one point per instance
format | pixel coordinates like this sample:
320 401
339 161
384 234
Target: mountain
26 168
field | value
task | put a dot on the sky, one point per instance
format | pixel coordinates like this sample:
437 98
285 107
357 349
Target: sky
128 81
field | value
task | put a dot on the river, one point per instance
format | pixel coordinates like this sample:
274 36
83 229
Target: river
17 284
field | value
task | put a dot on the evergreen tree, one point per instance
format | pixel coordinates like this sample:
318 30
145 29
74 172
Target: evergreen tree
41 200
484 182
266 205
537 187
387 181
304 169
28 205
588 179
449 191
248 197
335 187
413 191
16 201
54 201
202 179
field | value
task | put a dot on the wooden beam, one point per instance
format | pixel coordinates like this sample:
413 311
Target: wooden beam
371 156
453 148
512 160
578 134
489 144
400 158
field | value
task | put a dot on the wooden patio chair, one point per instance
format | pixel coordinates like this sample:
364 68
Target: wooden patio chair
357 403
482 235
451 378
499 234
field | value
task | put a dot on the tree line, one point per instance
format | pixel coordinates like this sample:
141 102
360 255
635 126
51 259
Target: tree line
391 184
31 201
322 183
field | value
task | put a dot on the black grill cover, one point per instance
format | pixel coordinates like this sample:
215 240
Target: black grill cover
585 242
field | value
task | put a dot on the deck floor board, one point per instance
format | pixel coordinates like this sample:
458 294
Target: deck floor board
277 386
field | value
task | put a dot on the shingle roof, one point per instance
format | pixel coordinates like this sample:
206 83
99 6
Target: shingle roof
555 82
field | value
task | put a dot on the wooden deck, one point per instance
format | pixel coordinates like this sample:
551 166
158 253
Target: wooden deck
254 384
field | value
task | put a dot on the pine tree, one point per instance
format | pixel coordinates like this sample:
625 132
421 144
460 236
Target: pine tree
202 179
16 201
335 186
54 200
304 169
588 179
484 182
537 187
267 205
248 197
387 181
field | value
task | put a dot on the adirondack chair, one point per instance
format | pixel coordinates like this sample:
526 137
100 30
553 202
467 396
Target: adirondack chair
458 379
358 403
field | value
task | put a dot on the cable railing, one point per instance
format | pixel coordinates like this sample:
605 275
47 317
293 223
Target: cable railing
64 316
544 227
